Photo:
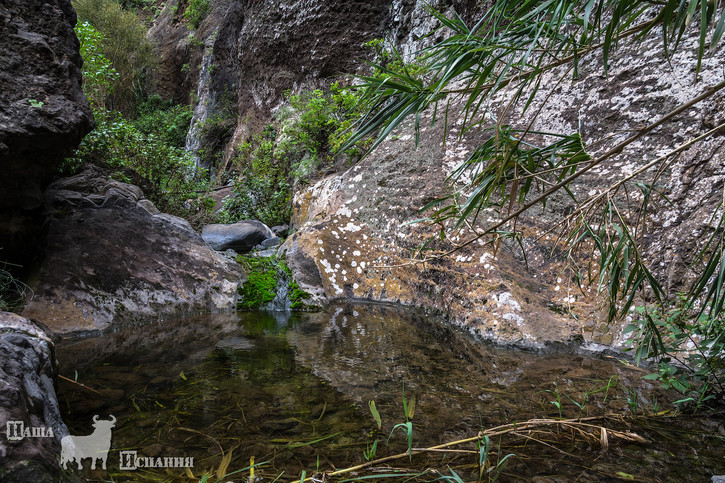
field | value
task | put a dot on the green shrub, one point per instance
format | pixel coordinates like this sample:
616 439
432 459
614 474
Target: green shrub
167 121
125 45
196 11
262 192
316 127
99 75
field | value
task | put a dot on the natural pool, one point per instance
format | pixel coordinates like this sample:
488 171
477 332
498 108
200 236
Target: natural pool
293 391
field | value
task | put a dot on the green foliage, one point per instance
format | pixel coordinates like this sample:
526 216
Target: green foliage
316 128
689 349
166 173
98 73
262 192
165 120
125 45
196 11
290 152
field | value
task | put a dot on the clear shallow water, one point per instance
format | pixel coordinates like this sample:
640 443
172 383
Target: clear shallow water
293 390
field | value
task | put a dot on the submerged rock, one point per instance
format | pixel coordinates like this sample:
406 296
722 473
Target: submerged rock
109 259
28 402
241 236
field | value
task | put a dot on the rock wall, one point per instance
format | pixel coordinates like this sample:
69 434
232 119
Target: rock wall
352 241
260 49
111 257
43 112
27 395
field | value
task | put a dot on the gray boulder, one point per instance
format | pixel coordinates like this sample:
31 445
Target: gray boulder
241 236
109 259
28 400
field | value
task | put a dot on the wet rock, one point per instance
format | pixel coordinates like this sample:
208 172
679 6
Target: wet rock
280 230
27 369
270 242
43 112
241 236
110 261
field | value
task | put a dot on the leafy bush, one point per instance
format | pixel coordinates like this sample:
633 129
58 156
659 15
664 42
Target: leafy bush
262 192
165 120
98 73
126 46
688 346
310 131
166 173
316 127
196 11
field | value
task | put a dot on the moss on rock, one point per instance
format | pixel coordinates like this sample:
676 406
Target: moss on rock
264 275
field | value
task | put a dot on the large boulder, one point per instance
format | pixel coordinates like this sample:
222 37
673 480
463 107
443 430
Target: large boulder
241 236
353 240
43 111
27 401
111 257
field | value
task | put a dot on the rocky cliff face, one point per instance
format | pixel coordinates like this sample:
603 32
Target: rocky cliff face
247 54
43 112
352 240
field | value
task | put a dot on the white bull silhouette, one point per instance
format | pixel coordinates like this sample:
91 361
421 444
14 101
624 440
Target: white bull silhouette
94 446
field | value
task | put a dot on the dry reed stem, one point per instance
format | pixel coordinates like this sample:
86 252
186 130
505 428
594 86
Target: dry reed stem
516 429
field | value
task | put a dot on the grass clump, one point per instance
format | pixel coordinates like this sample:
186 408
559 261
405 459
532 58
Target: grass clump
12 290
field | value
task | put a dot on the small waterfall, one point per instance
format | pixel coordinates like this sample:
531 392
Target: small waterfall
281 302
206 99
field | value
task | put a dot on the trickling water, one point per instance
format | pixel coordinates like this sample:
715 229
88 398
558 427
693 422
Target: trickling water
206 99
293 389
281 302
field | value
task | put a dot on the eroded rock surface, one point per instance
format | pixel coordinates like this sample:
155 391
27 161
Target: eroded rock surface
353 241
27 395
43 111
111 258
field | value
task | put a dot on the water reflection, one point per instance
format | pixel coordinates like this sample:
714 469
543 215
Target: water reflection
293 389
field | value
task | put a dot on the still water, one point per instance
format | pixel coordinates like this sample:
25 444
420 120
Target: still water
293 392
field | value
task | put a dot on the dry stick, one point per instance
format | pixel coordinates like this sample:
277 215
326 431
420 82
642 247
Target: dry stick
641 170
79 384
613 151
498 430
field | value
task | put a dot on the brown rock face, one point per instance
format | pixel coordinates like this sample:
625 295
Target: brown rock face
112 258
43 112
352 240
